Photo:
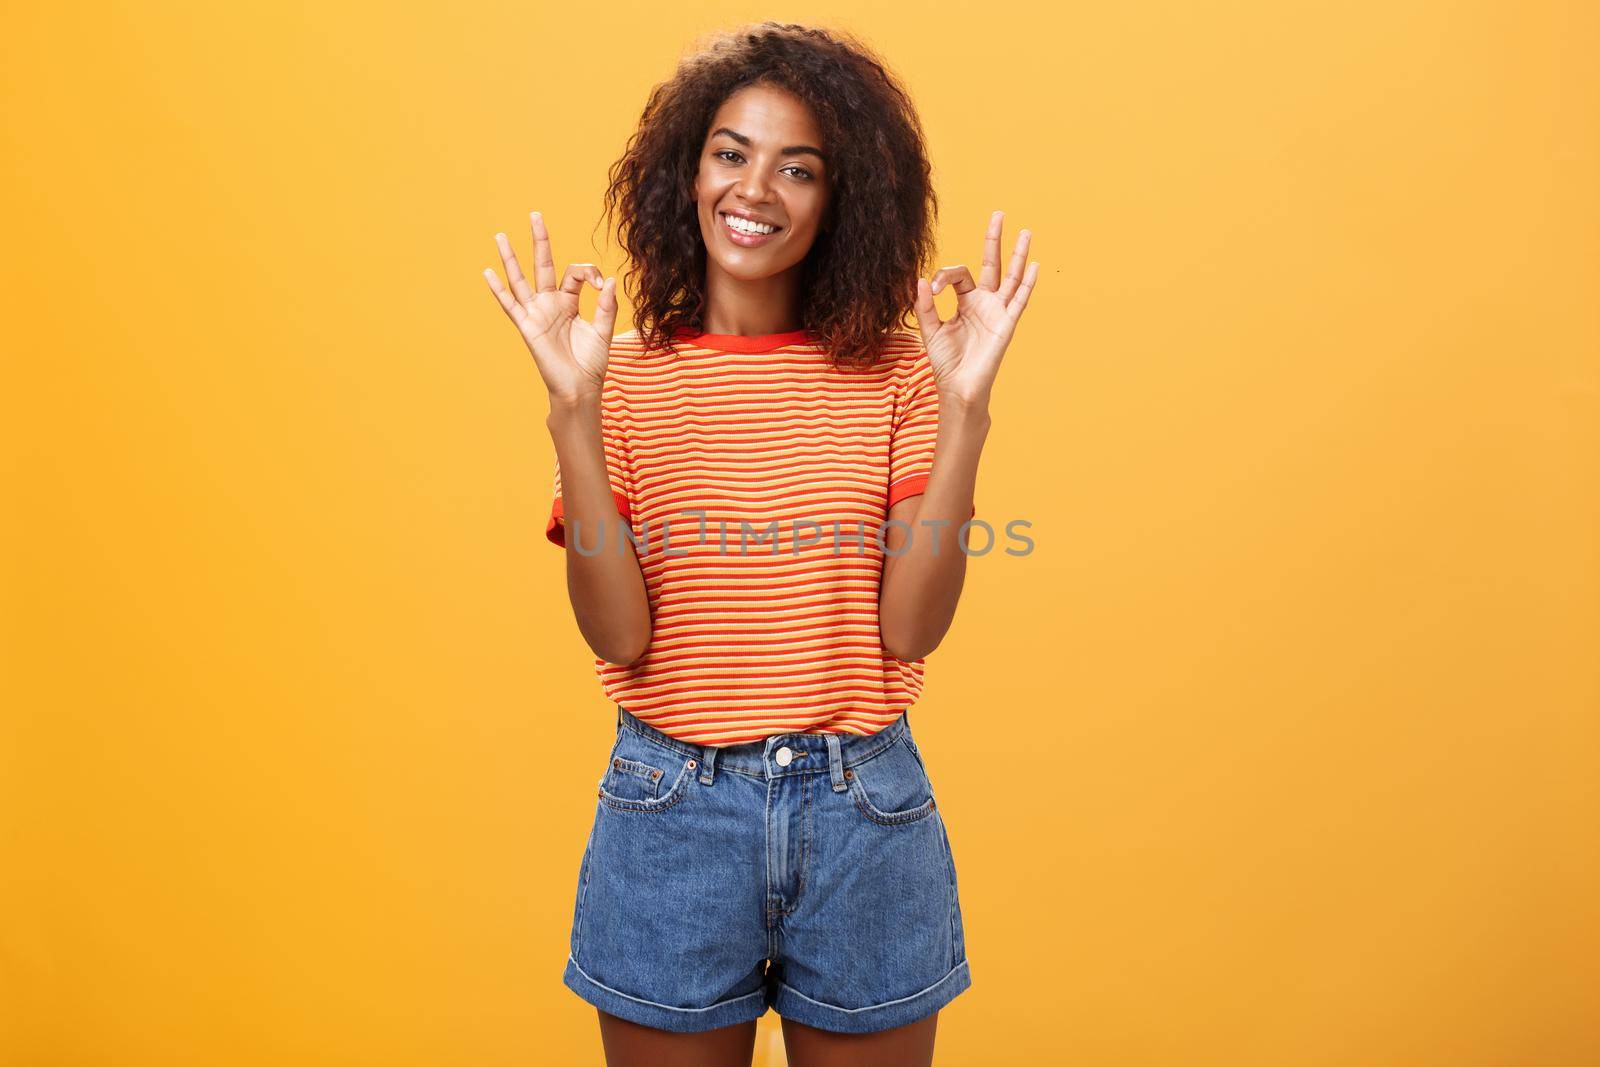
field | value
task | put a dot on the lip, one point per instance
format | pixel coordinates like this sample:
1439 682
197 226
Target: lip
745 240
749 216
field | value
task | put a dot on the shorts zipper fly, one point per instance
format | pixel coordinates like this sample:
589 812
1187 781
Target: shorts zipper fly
788 841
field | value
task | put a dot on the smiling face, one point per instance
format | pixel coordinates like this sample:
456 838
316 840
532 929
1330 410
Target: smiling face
761 166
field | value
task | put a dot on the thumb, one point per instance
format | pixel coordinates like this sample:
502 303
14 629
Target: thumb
927 314
605 312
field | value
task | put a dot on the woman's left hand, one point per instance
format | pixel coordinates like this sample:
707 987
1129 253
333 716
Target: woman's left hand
965 350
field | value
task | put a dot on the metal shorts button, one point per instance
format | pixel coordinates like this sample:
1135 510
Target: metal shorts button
783 756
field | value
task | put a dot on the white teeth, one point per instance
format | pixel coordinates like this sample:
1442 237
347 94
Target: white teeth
746 226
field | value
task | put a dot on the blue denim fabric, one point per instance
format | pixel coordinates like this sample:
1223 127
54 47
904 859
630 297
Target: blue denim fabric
720 881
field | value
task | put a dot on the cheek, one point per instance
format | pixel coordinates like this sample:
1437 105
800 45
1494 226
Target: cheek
816 210
704 190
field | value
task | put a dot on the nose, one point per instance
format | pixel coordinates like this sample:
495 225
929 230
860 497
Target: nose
752 185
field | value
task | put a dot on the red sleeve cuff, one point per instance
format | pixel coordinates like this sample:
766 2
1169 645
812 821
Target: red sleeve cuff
915 485
555 531
907 487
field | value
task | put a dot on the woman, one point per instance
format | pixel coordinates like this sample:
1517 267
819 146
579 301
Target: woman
765 831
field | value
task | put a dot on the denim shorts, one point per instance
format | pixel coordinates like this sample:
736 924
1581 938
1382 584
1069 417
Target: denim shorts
807 872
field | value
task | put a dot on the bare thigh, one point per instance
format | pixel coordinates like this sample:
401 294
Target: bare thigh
628 1044
910 1045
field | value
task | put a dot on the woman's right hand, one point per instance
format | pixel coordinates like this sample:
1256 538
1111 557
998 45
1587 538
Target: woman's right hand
571 354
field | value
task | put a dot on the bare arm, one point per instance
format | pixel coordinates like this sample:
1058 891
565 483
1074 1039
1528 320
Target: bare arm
921 587
924 568
606 587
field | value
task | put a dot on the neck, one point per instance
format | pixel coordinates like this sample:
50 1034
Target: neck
751 307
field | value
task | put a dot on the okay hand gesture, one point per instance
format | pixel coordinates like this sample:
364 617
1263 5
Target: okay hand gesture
965 350
571 354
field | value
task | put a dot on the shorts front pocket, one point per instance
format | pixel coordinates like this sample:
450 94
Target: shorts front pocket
891 788
643 776
633 779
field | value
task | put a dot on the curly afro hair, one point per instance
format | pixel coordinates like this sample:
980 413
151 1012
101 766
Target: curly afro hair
860 274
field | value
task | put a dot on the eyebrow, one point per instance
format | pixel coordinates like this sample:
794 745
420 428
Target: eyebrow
791 150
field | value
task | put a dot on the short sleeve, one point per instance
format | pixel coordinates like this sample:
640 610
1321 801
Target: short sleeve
914 433
617 455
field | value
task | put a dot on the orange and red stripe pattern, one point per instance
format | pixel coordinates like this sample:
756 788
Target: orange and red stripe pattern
784 637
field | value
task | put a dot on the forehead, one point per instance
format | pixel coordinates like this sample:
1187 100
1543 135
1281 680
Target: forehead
765 114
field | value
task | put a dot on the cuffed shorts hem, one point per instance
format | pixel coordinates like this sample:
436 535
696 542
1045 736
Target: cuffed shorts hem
664 1016
790 1003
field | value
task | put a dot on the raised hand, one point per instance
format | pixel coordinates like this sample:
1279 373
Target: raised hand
965 350
571 354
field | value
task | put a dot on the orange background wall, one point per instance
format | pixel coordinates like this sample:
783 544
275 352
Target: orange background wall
1281 748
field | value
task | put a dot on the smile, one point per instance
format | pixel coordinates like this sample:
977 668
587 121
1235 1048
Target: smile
747 233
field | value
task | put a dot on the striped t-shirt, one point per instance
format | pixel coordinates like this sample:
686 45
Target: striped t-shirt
782 638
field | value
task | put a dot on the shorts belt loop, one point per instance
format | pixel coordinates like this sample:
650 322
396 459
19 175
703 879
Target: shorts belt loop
708 762
835 763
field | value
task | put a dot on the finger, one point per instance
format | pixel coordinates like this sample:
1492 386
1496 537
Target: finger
1025 290
519 284
544 264
959 276
927 311
605 315
989 273
1008 288
507 303
578 273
